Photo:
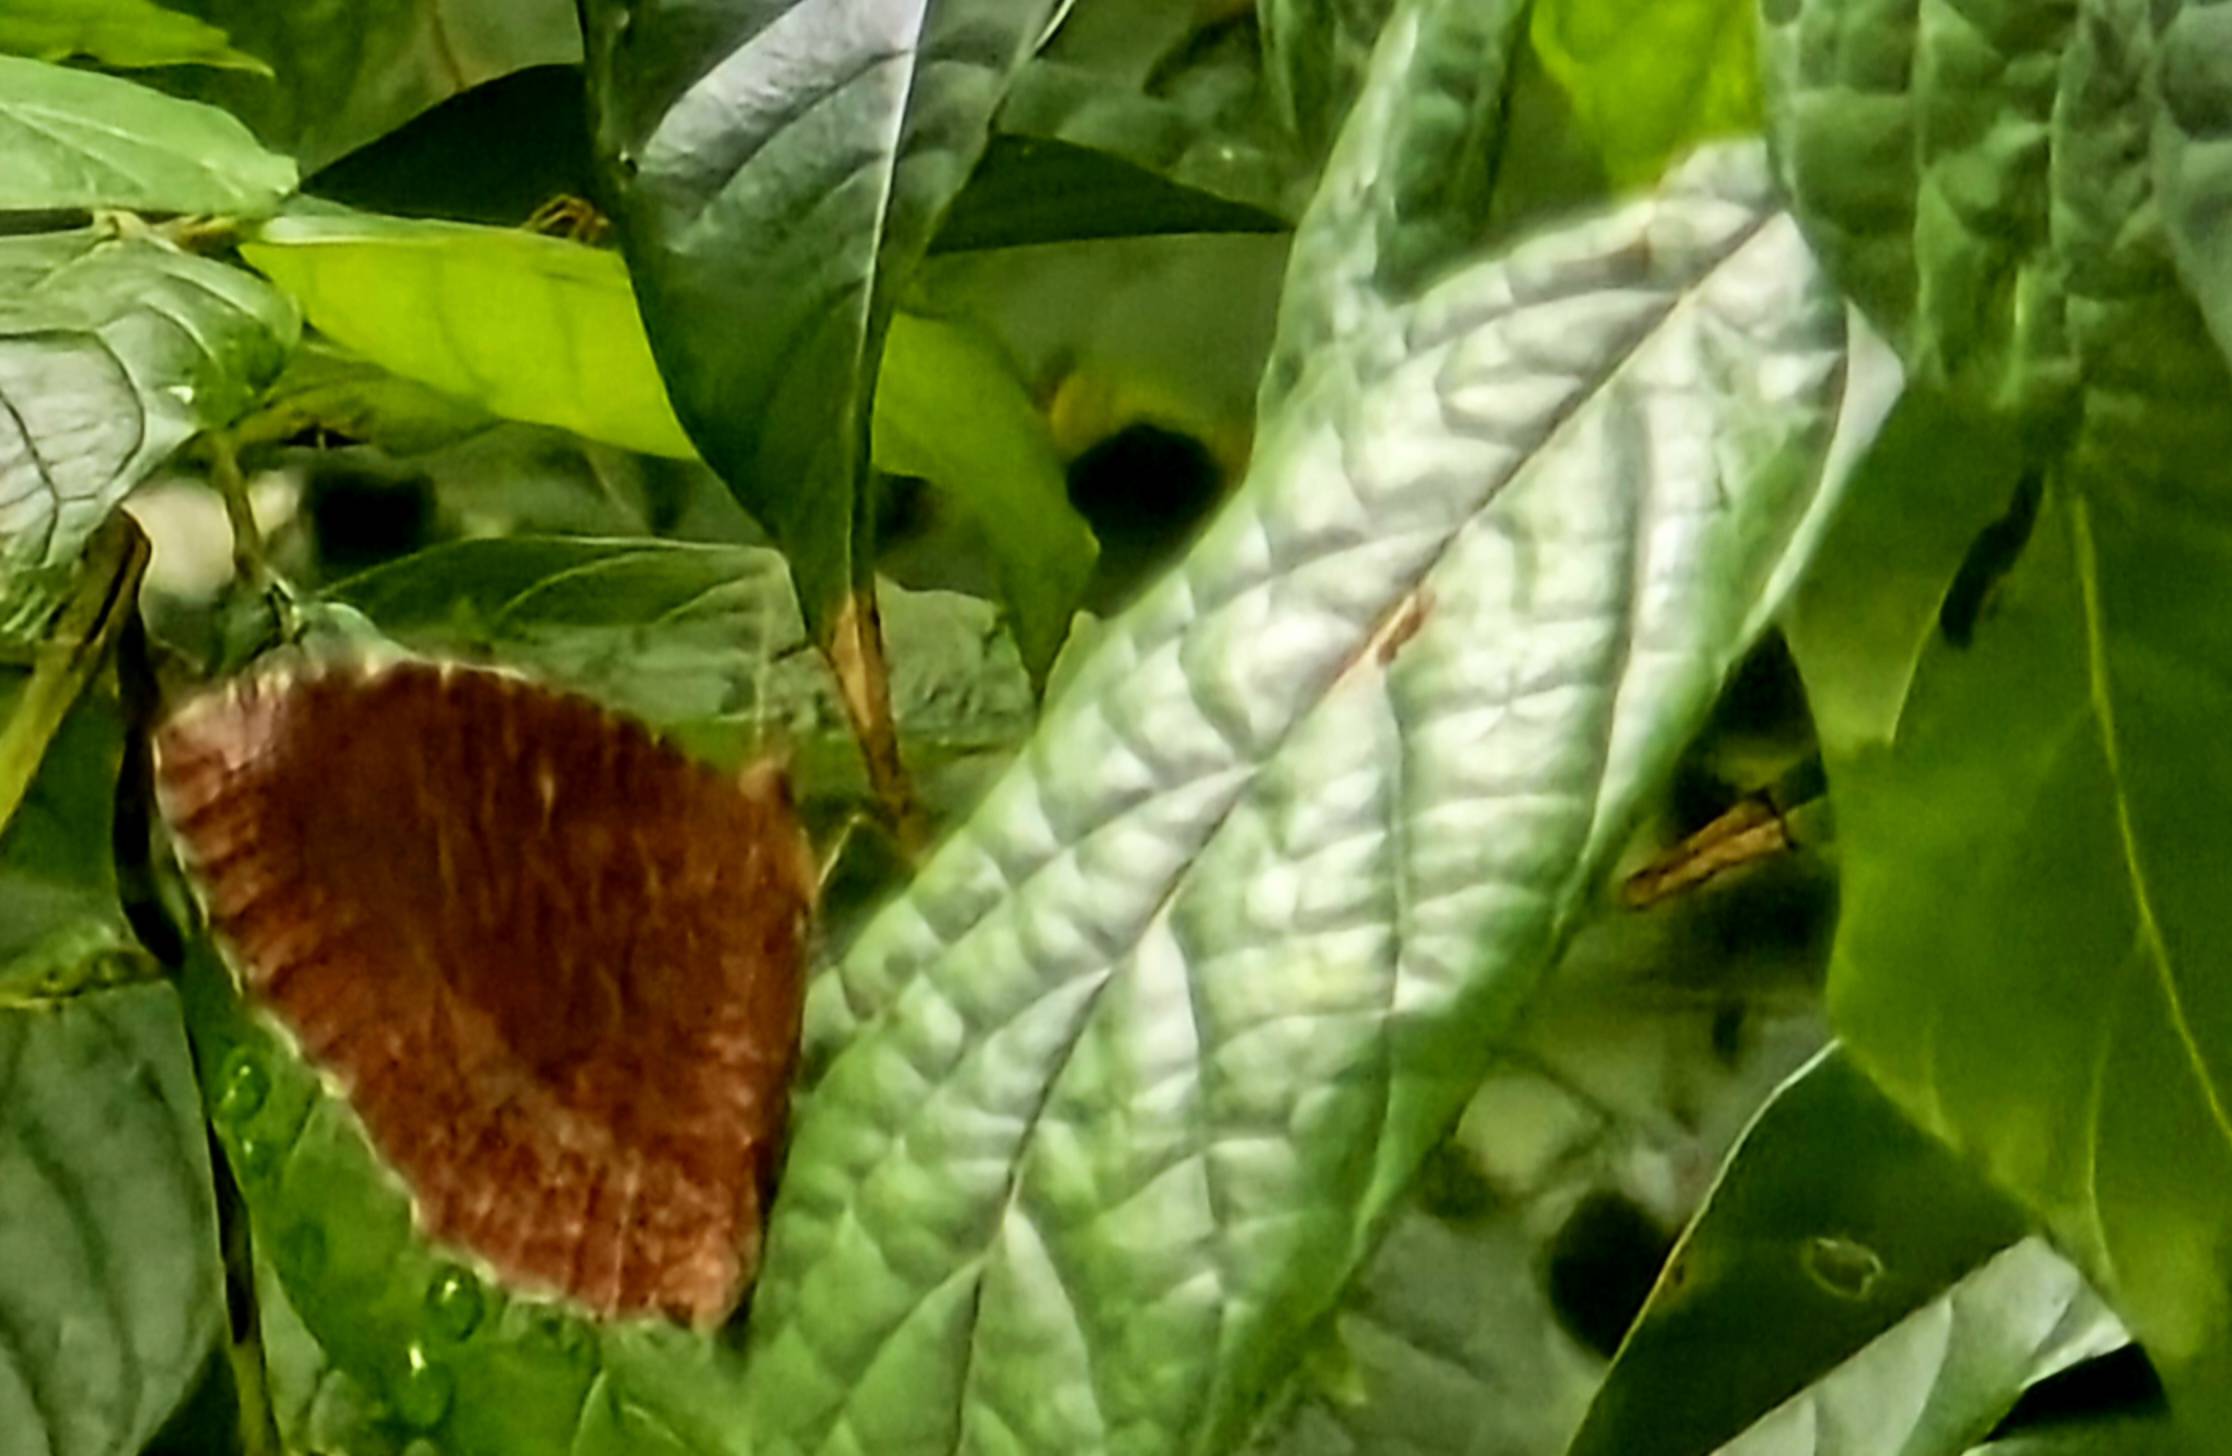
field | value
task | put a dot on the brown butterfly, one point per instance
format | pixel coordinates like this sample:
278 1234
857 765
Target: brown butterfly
554 965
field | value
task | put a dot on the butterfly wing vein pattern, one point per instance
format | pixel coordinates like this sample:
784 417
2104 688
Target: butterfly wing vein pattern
553 964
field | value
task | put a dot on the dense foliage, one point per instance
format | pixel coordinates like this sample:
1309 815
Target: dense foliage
1515 705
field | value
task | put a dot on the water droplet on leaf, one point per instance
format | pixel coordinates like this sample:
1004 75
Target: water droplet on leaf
422 1398
1846 1268
453 1303
242 1087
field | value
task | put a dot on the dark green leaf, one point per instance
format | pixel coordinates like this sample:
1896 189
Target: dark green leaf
118 33
78 139
1198 153
1123 1087
113 353
1846 1263
109 1291
349 71
1041 190
779 170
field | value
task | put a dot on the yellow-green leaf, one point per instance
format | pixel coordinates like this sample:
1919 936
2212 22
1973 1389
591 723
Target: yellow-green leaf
530 327
125 34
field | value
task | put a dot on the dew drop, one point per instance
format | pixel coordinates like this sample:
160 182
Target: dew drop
560 1335
453 1303
259 1156
242 1087
1842 1266
423 1396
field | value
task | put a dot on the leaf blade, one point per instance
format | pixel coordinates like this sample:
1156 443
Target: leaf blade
78 139
1002 1029
777 173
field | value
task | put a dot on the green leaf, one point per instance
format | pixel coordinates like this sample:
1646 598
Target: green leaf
1929 489
111 1300
1314 54
526 326
73 646
2029 839
1850 1273
109 1295
1992 189
1649 79
112 355
2193 151
536 328
350 71
432 1348
705 642
1203 155
949 408
2143 1435
118 33
1044 190
1121 1090
779 171
78 139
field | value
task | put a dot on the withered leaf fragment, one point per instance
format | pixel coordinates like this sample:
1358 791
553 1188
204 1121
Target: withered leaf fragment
554 965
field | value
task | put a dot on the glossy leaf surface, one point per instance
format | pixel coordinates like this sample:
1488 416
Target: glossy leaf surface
778 168
112 355
78 139
1153 1042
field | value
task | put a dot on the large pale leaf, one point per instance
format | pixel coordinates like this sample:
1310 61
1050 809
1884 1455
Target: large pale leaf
120 33
1032 189
350 71
779 168
1853 1287
1122 1089
112 355
78 139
